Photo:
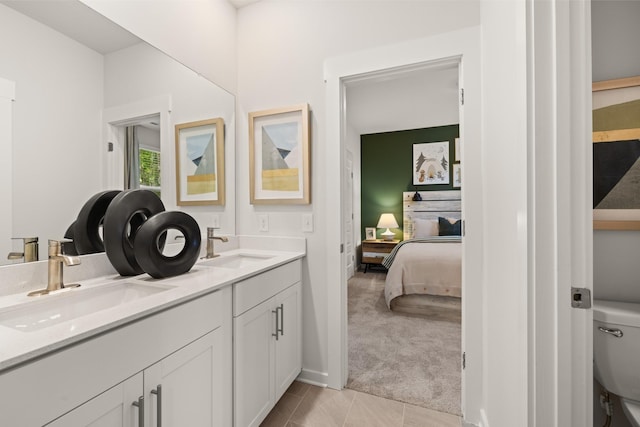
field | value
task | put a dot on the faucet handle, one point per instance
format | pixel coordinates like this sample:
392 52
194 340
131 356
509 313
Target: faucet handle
210 231
26 240
29 249
56 247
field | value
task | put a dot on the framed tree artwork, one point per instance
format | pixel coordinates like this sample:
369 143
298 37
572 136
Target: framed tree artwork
431 163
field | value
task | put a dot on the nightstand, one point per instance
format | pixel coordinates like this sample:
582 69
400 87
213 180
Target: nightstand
374 251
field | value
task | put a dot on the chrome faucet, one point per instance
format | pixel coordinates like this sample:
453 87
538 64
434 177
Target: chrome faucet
57 259
210 239
29 249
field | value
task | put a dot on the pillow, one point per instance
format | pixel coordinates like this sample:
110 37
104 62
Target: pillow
424 228
447 228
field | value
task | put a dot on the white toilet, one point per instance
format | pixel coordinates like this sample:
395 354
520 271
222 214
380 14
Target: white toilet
616 353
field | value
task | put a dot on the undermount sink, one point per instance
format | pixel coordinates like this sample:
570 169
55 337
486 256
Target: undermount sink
235 260
52 309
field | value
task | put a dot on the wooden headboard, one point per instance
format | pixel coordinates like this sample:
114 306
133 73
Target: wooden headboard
434 204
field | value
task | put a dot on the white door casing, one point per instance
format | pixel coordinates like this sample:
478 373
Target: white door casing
560 210
461 46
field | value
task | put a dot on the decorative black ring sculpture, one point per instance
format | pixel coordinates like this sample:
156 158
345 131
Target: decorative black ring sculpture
86 229
70 246
125 215
149 243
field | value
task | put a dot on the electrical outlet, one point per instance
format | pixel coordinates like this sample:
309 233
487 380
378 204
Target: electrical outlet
215 221
307 222
263 222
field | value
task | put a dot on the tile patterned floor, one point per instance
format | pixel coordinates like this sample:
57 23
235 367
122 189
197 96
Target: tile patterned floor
304 405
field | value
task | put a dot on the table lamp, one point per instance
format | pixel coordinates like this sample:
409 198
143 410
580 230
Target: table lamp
387 220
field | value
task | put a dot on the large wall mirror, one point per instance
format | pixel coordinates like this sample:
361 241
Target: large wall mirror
80 81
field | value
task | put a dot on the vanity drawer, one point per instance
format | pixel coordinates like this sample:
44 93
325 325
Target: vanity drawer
254 290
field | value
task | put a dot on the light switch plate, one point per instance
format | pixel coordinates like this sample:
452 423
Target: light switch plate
263 222
307 222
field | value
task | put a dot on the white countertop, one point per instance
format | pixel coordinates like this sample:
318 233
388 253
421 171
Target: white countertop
17 347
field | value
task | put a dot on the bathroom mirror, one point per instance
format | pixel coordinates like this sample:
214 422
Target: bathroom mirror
80 80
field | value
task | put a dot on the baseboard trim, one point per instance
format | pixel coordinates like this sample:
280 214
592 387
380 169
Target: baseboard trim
320 379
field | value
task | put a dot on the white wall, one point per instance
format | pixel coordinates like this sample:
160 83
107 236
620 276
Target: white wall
142 72
199 33
614 29
56 119
281 50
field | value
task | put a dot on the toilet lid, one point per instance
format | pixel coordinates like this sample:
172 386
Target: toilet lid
620 313
631 410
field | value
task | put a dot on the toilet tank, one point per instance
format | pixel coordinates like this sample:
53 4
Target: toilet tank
617 359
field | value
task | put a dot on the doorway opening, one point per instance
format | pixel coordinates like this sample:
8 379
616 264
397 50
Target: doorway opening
392 353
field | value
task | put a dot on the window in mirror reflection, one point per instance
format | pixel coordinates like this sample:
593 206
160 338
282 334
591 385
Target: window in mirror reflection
150 169
142 156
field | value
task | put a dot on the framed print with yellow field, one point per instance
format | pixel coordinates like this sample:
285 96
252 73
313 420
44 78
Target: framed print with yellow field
279 156
616 154
200 163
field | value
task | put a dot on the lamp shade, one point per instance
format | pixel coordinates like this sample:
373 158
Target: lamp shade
387 221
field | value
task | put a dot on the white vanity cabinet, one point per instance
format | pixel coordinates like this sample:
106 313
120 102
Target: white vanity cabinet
112 408
267 341
178 362
178 390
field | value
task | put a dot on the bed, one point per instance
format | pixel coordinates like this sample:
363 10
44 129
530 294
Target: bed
425 270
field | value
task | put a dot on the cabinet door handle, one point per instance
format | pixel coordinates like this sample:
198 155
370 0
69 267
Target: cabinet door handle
158 392
140 405
277 323
281 330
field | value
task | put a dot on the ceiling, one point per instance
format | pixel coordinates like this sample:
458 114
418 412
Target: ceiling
240 3
77 21
385 102
407 99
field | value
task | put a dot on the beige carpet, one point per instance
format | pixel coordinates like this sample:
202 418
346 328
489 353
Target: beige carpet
409 358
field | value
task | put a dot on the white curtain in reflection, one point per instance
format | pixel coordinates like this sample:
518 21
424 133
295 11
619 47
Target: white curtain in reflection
131 159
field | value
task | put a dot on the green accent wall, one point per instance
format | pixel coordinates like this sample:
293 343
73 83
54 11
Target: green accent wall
386 171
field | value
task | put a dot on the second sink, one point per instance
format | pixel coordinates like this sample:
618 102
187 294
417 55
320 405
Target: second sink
51 310
235 260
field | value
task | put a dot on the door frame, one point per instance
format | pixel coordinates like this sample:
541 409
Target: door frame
462 46
114 122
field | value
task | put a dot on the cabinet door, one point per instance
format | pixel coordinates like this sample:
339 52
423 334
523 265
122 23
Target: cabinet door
184 388
288 356
113 408
253 372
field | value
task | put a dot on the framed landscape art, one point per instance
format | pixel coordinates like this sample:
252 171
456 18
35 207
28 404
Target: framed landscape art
616 154
200 163
279 156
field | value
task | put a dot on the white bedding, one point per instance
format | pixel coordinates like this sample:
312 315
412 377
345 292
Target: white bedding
433 268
